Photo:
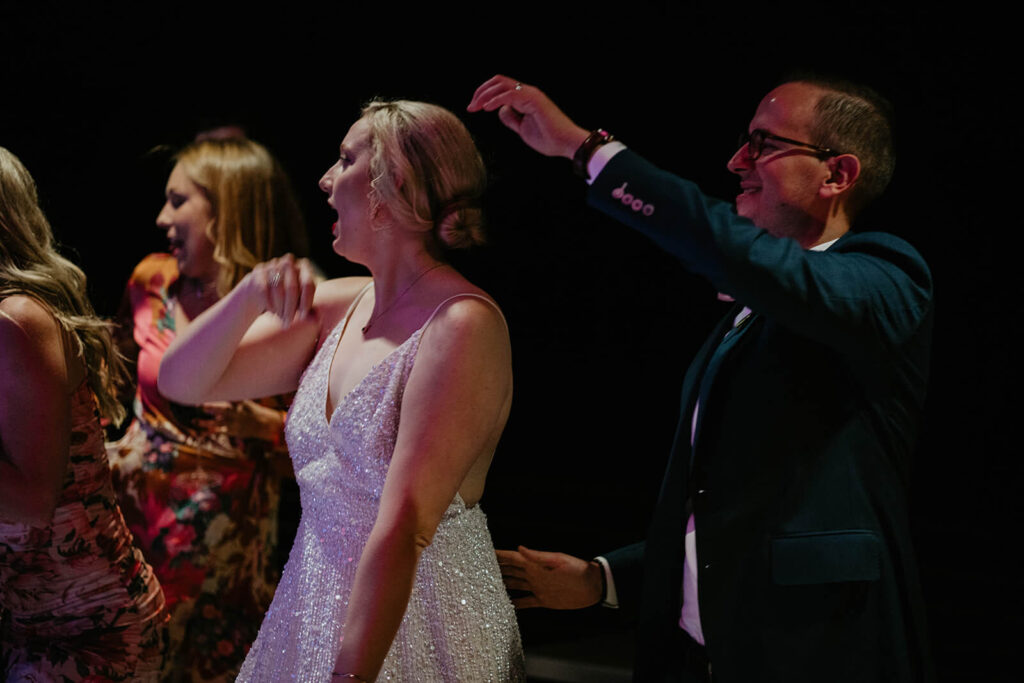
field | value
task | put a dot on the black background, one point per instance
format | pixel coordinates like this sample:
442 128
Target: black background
603 325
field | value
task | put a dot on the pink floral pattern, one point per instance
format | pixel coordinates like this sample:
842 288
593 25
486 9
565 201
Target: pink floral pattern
77 600
203 506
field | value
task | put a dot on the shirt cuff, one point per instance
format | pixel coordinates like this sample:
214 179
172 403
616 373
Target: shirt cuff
611 598
601 156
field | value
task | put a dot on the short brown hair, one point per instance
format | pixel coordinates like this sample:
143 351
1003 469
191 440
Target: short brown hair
855 119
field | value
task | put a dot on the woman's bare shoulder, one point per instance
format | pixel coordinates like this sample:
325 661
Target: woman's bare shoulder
341 287
339 291
30 339
467 303
333 297
466 319
25 315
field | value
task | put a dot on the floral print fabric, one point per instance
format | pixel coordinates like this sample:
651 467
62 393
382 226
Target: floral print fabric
78 602
202 504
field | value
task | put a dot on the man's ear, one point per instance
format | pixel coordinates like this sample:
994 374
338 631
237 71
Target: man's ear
844 169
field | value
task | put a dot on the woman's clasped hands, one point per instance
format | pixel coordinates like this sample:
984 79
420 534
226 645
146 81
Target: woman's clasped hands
283 287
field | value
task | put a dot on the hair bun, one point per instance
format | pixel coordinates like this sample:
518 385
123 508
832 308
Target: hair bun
460 225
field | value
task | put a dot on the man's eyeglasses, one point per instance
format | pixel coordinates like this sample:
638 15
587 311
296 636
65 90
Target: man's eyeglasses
756 138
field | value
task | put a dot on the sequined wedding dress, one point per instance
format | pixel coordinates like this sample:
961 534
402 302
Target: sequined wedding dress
459 625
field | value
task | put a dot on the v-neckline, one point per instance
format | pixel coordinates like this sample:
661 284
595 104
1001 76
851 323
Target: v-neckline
329 413
342 326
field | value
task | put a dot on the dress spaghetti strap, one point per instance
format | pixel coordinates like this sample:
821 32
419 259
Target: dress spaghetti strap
352 307
464 294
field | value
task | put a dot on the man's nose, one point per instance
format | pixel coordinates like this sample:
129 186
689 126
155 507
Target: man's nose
740 161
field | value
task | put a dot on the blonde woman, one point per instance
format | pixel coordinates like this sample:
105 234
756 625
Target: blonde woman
200 486
404 385
77 599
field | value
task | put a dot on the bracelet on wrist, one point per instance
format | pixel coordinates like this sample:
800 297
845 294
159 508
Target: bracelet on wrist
586 150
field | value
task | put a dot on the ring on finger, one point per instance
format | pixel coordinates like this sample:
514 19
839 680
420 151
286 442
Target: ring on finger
519 86
275 279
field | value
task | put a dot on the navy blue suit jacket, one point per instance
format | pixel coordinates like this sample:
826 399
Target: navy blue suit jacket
798 475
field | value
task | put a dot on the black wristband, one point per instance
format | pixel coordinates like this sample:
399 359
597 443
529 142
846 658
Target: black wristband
586 150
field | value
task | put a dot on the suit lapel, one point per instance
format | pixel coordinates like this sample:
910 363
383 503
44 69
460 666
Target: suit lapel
665 538
677 469
729 334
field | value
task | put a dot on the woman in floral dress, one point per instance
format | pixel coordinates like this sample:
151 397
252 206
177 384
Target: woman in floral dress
77 600
200 486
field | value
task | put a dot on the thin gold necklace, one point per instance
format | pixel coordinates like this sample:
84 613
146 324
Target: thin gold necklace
375 318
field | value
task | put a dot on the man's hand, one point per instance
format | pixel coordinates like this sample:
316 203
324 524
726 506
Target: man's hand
552 580
531 114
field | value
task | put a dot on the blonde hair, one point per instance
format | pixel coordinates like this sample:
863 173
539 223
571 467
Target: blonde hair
256 215
426 169
30 265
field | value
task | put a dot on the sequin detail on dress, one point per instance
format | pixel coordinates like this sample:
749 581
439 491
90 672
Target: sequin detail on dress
459 625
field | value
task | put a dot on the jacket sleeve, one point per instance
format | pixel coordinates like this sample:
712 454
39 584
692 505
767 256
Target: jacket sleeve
626 566
868 292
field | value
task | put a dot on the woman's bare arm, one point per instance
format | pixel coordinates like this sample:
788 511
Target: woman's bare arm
454 409
35 411
241 347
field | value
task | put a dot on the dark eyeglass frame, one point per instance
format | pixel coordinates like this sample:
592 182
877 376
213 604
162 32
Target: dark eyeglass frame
756 138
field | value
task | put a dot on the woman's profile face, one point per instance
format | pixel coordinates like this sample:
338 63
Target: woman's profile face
347 184
187 216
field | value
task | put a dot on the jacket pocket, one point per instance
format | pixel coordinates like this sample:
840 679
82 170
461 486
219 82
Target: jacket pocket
826 557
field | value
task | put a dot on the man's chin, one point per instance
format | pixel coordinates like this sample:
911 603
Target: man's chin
745 208
744 211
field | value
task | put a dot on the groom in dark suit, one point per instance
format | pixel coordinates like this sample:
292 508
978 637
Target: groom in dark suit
780 547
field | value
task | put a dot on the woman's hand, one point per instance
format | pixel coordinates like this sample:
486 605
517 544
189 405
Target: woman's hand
285 287
232 351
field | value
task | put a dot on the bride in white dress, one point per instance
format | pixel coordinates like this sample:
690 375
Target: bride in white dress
404 384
